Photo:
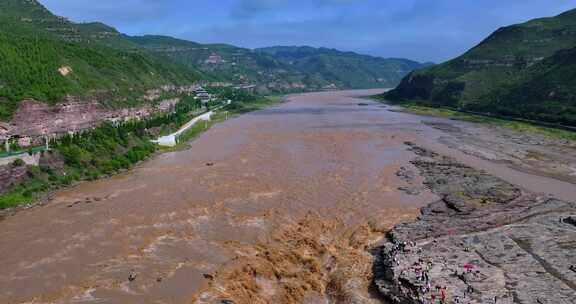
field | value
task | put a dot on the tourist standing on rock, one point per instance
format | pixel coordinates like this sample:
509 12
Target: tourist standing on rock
469 289
443 295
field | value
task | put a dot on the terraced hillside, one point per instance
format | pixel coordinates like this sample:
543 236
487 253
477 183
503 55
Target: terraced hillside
522 70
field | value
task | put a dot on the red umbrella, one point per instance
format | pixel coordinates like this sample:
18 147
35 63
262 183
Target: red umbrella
469 266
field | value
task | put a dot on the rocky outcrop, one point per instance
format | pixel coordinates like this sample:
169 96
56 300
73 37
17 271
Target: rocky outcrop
484 241
35 119
51 160
11 175
414 86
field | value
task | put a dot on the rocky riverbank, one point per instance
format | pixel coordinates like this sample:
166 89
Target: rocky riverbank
530 152
484 241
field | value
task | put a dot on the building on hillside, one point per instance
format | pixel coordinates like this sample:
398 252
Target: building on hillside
214 59
202 95
24 141
246 87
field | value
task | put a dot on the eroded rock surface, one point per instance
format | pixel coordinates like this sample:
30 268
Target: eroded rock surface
524 151
484 241
36 119
11 175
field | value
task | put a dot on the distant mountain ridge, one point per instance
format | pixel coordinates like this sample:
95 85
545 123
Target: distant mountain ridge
49 58
524 70
284 67
228 63
345 69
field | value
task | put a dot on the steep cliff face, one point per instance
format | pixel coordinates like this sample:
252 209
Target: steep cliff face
510 60
36 119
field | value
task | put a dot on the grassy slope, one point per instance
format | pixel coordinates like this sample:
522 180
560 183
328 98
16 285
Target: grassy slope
495 75
546 92
34 44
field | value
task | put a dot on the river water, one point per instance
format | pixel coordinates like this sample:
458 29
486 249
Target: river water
319 164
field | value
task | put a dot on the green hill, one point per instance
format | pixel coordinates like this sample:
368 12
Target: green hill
46 57
345 69
234 64
545 92
283 68
522 70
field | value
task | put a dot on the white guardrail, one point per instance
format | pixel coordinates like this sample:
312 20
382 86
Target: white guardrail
171 140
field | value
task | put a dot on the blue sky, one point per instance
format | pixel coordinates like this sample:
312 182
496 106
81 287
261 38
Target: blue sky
424 30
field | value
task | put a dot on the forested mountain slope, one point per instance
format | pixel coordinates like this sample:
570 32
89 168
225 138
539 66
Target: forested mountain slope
345 69
45 57
523 70
230 63
283 68
49 58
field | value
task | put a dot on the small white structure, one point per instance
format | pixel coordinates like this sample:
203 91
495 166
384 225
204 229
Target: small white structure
170 140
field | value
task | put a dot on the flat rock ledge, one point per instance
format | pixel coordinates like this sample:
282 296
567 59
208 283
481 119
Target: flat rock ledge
484 241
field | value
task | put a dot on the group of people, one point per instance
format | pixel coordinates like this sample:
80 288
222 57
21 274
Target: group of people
422 269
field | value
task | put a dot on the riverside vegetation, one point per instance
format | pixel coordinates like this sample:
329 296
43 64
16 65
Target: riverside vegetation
110 149
421 109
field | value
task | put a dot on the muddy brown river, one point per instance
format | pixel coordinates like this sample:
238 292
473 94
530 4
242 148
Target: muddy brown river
275 206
